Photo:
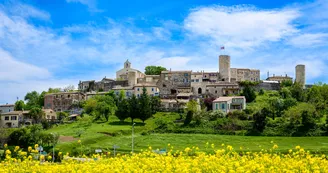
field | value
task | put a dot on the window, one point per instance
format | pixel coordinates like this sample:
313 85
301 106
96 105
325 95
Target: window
138 89
138 95
152 89
192 80
7 118
68 96
186 80
9 110
216 91
216 106
197 80
164 85
222 105
186 74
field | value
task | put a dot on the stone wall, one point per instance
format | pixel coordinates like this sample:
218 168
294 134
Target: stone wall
300 74
224 67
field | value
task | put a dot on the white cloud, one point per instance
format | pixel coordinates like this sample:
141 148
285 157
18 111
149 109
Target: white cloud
241 26
309 40
26 11
13 70
174 63
91 4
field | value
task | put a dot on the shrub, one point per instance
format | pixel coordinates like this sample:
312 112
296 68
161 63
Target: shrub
239 114
214 115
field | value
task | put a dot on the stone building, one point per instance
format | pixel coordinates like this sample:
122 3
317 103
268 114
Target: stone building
6 108
300 74
129 91
243 74
222 89
151 88
149 79
64 101
105 84
236 74
173 82
279 78
129 74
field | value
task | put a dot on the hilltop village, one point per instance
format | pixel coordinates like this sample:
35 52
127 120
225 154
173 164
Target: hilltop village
173 87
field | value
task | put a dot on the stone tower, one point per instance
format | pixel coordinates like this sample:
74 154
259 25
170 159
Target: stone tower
300 74
224 67
127 64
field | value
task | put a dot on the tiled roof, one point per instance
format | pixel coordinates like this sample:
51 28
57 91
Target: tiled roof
224 99
7 105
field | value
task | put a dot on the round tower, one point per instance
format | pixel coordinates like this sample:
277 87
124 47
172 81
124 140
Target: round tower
224 67
300 74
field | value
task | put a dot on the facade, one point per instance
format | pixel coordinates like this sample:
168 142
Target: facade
63 101
151 88
50 114
129 91
149 79
173 82
222 89
279 78
6 108
129 74
229 104
244 74
12 119
105 84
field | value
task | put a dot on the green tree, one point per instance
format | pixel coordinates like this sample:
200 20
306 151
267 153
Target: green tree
286 83
62 115
134 108
249 93
285 92
36 114
259 121
154 70
53 90
32 99
188 118
192 106
145 107
155 103
19 105
122 111
298 92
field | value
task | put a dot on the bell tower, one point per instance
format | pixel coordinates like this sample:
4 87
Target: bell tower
127 64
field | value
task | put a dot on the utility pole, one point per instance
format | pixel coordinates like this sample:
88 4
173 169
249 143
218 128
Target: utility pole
133 136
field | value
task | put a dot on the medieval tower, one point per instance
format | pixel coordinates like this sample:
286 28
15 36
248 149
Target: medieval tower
300 74
224 67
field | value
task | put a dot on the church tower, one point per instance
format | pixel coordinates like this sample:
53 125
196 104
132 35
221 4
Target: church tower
127 64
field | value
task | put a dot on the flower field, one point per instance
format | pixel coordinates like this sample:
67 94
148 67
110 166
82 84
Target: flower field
222 159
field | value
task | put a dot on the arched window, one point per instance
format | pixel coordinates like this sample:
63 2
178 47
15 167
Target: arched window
199 90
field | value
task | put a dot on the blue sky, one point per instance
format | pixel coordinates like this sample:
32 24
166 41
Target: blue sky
57 43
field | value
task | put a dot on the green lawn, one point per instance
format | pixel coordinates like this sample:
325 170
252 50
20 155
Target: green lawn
99 135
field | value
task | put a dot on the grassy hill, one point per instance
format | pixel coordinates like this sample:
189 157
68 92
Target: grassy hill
103 135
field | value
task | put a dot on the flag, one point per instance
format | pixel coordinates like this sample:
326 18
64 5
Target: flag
222 47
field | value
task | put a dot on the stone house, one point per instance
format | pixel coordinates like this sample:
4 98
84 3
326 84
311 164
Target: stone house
129 91
16 119
151 88
222 89
63 101
173 82
229 104
6 108
279 78
244 74
105 84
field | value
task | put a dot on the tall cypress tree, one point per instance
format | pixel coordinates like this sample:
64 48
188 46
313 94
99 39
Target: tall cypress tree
145 107
134 108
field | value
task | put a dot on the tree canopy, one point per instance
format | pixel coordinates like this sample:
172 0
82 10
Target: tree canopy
154 70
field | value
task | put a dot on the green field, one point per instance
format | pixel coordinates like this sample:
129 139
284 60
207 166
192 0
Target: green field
105 135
